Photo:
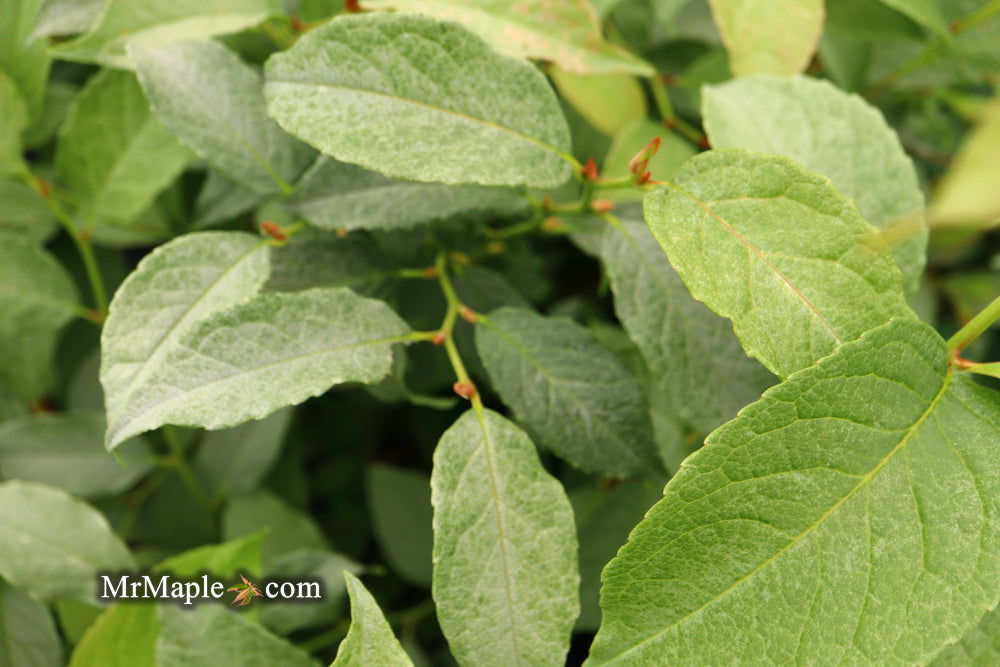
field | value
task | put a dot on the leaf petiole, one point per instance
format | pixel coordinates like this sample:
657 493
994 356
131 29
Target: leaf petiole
975 327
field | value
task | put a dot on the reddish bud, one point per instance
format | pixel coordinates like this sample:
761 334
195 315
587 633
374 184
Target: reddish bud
298 25
602 205
703 141
495 247
341 233
464 389
467 314
460 258
352 6
273 230
43 188
547 203
590 170
552 224
637 164
642 180
430 272
439 338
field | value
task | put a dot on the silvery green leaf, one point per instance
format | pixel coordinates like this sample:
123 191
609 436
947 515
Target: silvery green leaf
156 23
173 288
37 298
275 350
981 646
859 152
220 199
113 155
696 363
776 249
370 640
66 17
66 450
505 563
322 259
334 195
213 103
565 32
419 99
568 390
54 545
845 518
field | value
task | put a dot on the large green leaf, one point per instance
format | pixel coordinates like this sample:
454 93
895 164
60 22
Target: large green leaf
930 13
849 516
505 570
37 298
276 350
335 195
157 23
288 529
565 32
772 37
174 287
22 57
370 640
213 635
568 390
66 17
609 102
13 121
54 545
313 258
24 213
968 194
858 151
28 637
775 248
214 103
419 99
66 450
696 362
113 155
399 502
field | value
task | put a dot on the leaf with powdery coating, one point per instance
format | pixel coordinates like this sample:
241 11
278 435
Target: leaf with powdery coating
769 36
360 88
565 32
370 640
848 517
776 249
214 103
275 350
836 134
174 287
505 549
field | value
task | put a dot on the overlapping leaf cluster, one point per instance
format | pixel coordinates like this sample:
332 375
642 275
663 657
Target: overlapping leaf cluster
460 296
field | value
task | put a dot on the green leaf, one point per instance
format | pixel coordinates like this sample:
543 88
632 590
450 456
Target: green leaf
173 288
322 259
54 544
565 32
400 504
860 153
22 57
66 450
123 636
235 460
505 570
930 13
13 121
981 646
220 199
66 17
968 196
214 635
224 561
772 246
158 23
28 637
774 37
334 195
370 640
276 350
568 390
696 363
213 102
609 102
113 155
421 100
24 213
37 298
289 530
848 513
328 567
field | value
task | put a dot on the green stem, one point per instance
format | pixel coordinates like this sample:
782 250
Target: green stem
975 327
328 638
669 116
179 463
137 498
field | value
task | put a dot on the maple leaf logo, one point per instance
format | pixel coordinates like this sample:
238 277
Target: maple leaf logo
245 592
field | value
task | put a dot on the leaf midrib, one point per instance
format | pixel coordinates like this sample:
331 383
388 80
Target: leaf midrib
442 110
862 483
